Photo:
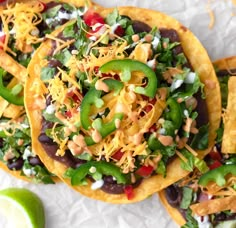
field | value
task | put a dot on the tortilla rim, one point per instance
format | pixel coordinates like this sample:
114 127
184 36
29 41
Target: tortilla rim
205 69
219 64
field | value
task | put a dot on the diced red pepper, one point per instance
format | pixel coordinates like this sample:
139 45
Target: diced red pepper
2 40
68 114
215 155
153 128
119 31
118 155
129 191
144 171
44 5
149 106
74 96
214 165
91 18
96 69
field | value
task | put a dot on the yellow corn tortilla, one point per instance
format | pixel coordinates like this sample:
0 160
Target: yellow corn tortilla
229 137
174 213
214 206
200 61
217 205
12 111
229 117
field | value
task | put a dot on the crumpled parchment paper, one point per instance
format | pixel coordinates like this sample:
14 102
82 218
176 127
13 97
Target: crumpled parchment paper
66 208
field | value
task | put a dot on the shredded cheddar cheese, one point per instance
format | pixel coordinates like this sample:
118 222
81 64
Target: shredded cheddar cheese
21 20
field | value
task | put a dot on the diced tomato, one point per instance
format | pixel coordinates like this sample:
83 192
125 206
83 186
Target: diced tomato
119 31
149 106
2 40
74 96
153 128
129 191
44 5
118 155
91 18
96 69
144 171
68 114
215 155
214 165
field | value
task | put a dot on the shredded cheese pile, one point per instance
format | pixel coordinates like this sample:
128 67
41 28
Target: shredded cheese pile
129 136
20 20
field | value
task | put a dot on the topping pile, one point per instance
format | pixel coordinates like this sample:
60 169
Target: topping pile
120 97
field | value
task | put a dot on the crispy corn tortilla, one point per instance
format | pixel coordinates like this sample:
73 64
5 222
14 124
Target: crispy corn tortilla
15 69
229 139
217 205
214 206
174 213
12 111
229 118
199 60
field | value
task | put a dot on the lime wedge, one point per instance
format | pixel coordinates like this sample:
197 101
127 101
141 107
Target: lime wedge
21 208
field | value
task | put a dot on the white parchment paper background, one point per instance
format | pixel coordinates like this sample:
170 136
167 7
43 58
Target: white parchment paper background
66 208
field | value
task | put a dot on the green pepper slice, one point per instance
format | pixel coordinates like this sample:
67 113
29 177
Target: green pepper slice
11 95
175 113
217 175
93 97
102 167
104 128
126 66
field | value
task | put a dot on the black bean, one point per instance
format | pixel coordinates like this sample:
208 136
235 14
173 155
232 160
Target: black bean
173 195
109 179
15 164
113 188
43 138
171 34
220 217
1 142
35 161
139 26
54 63
202 118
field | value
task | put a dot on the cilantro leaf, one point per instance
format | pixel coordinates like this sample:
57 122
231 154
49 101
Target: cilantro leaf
187 197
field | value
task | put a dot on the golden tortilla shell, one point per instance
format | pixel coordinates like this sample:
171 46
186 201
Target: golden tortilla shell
214 206
229 117
174 213
200 61
229 136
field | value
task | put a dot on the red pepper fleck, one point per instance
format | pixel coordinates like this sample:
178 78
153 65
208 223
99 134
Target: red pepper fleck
68 114
214 165
2 40
215 155
44 5
149 106
144 171
153 128
91 18
119 31
129 191
118 155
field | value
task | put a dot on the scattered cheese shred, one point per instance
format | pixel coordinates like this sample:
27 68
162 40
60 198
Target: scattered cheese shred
211 15
20 20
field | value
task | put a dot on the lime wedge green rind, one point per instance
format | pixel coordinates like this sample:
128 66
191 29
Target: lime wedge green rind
29 202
